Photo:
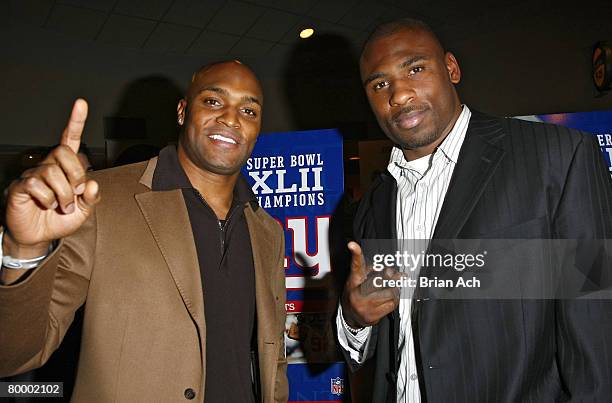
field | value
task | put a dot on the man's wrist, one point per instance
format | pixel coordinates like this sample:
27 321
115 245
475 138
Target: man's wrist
350 323
353 330
15 268
10 247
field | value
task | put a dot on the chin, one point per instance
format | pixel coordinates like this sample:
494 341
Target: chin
224 168
416 139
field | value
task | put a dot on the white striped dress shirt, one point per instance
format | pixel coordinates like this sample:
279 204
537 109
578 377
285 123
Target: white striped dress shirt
421 188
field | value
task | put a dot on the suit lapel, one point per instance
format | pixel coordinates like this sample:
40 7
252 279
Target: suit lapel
384 218
262 240
167 218
478 160
262 245
384 203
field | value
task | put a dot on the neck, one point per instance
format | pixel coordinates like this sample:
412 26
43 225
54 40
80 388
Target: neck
217 189
416 153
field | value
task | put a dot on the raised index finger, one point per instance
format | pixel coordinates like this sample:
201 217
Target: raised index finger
72 133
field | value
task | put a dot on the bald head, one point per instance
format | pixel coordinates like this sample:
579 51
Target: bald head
227 67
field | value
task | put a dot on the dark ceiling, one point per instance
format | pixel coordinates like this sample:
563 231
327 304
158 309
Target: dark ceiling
245 28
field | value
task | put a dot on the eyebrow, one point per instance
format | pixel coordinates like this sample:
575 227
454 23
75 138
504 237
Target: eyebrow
406 63
412 60
372 77
223 91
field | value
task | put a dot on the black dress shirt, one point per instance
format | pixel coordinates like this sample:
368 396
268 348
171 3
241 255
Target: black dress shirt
228 281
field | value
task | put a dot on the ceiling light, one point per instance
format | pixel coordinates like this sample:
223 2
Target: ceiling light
306 33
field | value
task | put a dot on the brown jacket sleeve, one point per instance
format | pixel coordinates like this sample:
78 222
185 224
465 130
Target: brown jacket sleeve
36 313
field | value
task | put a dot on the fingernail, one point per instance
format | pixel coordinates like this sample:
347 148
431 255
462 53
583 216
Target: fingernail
69 208
54 205
80 189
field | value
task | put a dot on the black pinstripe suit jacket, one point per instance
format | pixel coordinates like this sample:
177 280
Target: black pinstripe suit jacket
513 179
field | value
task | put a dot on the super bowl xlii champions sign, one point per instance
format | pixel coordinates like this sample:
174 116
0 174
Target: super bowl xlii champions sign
598 123
297 178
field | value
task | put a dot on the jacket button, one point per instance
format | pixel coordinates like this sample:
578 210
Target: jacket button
189 394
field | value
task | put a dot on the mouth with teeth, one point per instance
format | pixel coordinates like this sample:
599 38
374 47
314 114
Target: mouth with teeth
220 137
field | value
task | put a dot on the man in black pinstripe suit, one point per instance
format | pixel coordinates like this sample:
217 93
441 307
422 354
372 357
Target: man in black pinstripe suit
512 179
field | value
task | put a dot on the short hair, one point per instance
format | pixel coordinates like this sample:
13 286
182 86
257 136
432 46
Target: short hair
391 27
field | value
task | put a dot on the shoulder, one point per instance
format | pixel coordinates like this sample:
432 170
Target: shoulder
531 140
550 135
119 177
118 186
560 140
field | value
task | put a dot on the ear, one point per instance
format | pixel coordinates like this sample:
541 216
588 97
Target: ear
452 66
181 109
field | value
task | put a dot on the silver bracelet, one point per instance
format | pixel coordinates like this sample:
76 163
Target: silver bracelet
351 329
22 264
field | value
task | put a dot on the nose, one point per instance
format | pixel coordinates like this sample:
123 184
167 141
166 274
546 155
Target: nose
402 93
229 118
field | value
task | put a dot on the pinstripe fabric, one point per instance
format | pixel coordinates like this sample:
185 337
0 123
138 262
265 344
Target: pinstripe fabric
421 185
513 179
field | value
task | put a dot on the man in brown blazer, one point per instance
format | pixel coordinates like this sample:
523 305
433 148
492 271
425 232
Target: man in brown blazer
181 270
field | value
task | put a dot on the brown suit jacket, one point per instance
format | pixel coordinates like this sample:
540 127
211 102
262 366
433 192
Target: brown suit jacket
135 263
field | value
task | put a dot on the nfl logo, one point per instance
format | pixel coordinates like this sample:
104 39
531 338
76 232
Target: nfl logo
337 386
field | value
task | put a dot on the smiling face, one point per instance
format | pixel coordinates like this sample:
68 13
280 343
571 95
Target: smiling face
409 82
222 118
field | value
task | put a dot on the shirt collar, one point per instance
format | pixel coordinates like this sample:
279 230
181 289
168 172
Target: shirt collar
451 145
169 175
449 148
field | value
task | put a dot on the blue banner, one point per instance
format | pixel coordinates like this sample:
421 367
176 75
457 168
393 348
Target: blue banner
298 179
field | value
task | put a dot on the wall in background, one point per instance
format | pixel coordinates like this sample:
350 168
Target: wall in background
536 65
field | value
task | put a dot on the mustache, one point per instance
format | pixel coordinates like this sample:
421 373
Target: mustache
407 109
